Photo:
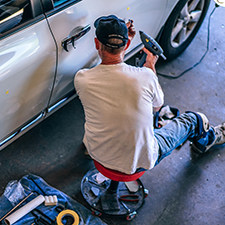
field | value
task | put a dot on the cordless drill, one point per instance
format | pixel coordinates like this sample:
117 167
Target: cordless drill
151 45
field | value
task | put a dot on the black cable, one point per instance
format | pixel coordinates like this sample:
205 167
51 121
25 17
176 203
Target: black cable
57 51
207 49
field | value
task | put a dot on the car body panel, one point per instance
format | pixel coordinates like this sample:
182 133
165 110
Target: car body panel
84 13
27 65
37 73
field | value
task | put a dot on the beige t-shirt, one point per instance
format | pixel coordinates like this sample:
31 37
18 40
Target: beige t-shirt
118 101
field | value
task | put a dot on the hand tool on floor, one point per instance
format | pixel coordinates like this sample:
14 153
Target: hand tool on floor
24 210
51 200
16 206
152 45
42 218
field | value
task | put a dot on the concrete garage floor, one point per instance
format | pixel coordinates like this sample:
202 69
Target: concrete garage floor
184 188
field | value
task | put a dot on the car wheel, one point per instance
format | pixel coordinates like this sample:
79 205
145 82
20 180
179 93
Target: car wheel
182 26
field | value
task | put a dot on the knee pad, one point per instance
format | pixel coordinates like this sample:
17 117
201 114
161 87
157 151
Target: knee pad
202 129
203 124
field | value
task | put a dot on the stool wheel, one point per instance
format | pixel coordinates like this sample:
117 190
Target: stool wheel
131 216
96 213
146 192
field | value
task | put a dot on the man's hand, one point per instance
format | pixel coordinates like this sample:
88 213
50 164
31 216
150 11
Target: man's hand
150 60
131 29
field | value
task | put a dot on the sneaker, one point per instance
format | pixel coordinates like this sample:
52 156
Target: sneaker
219 133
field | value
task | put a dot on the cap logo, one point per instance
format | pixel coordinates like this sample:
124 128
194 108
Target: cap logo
115 36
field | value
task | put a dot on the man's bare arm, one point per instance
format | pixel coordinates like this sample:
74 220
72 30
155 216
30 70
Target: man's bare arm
131 29
156 109
150 60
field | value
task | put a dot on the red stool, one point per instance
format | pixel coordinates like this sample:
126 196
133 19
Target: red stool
121 194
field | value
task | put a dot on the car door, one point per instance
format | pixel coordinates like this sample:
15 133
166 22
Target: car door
43 43
27 66
77 17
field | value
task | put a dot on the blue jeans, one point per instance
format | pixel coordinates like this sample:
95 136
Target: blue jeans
179 130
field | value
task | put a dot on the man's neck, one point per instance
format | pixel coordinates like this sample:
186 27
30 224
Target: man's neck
109 59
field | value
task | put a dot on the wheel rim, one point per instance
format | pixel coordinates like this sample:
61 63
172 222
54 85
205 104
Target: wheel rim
186 22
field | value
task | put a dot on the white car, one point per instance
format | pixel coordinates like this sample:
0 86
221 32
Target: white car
43 43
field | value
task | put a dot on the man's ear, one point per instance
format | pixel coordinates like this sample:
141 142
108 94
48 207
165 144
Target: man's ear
128 44
96 43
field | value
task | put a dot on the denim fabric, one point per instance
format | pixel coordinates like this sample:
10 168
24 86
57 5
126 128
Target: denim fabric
32 183
180 129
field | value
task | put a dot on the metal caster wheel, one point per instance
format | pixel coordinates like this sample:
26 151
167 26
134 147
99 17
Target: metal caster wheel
131 216
96 213
146 192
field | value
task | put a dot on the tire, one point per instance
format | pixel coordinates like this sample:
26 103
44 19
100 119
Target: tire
182 26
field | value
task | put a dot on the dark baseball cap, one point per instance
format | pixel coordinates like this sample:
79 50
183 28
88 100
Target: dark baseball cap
111 27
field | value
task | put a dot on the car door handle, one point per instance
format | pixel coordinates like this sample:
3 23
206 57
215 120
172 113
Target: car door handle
74 35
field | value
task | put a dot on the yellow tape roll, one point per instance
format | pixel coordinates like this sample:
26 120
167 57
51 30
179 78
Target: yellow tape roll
67 212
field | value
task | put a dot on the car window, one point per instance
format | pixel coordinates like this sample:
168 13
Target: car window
13 13
60 2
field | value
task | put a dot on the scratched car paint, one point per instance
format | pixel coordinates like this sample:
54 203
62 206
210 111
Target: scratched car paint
43 44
